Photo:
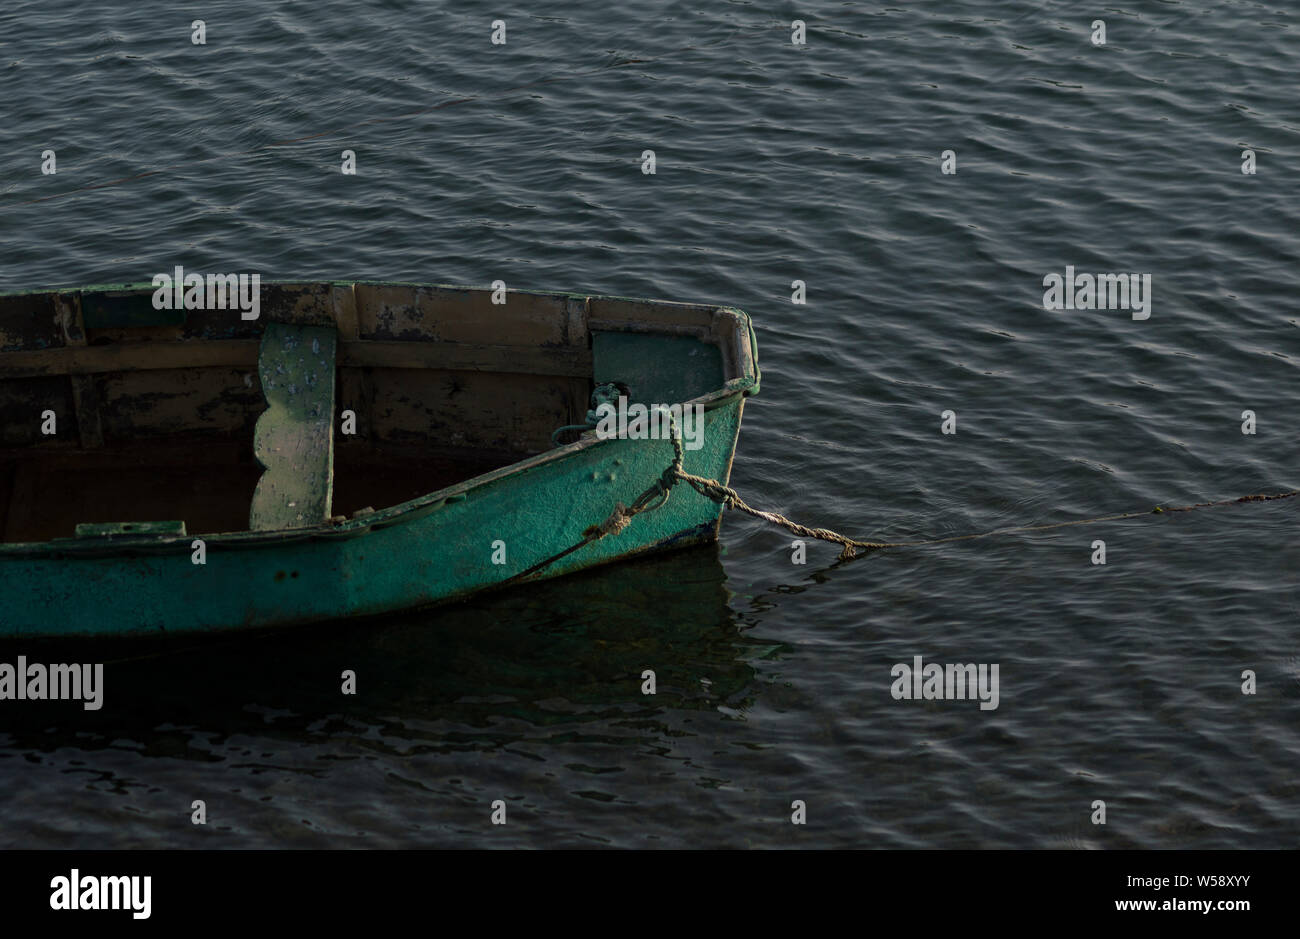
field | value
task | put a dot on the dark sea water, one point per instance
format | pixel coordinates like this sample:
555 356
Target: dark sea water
821 163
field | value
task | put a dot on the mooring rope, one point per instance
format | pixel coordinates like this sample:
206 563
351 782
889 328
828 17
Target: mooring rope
727 497
658 493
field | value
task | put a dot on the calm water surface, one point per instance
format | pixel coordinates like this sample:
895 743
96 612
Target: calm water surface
775 163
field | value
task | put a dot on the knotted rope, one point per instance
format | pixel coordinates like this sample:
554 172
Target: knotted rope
622 515
607 393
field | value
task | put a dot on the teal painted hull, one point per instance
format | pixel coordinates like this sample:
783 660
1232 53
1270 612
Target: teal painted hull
469 537
448 553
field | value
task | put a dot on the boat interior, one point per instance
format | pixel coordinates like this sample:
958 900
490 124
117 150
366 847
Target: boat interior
339 399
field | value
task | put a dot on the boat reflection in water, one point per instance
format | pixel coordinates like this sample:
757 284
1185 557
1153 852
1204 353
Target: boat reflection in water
476 674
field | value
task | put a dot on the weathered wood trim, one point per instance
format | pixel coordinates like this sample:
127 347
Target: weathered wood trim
242 353
578 335
345 312
129 357
661 312
577 312
732 333
468 357
727 336
85 403
85 391
133 454
356 394
702 333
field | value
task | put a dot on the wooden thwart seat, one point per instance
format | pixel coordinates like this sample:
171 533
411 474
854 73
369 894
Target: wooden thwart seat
294 438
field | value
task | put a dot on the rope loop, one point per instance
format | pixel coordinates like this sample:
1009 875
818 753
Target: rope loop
728 498
619 519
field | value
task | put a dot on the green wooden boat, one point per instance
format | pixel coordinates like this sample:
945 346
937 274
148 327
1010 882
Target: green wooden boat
357 449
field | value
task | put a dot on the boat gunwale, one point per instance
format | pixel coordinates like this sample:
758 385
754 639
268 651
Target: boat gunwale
741 360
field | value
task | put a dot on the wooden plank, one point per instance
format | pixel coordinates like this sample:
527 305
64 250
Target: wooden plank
354 384
243 353
469 357
85 391
356 394
467 409
459 314
294 439
85 401
577 313
141 404
138 453
344 297
659 312
130 357
577 334
310 304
